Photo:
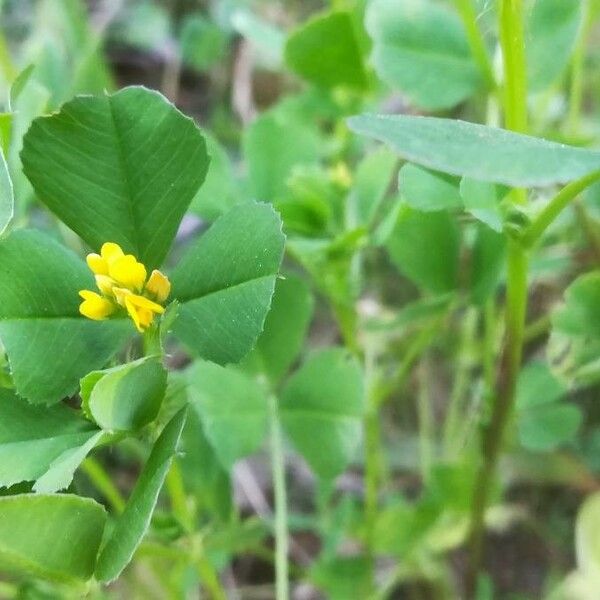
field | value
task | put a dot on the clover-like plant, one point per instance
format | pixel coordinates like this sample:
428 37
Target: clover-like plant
120 171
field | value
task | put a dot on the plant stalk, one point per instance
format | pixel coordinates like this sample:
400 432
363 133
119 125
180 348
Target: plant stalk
547 216
515 118
280 493
493 434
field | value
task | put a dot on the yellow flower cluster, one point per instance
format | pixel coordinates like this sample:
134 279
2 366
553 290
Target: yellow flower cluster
122 282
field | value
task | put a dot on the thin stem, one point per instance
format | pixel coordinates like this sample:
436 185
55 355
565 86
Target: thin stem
515 117
279 487
103 483
515 75
547 216
466 9
577 69
516 306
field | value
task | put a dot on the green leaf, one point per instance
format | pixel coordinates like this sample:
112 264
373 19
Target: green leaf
410 246
273 146
32 438
203 474
18 85
342 578
7 199
477 151
552 31
321 410
580 316
286 326
537 386
54 537
50 346
219 192
482 200
133 522
202 42
127 397
544 422
225 283
60 473
372 181
427 190
421 49
232 407
487 262
121 168
326 51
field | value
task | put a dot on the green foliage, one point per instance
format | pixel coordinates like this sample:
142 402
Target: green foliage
273 145
552 31
127 397
126 170
427 190
544 422
321 409
285 329
225 282
411 242
132 524
420 48
7 199
34 440
49 344
232 407
52 536
477 151
327 52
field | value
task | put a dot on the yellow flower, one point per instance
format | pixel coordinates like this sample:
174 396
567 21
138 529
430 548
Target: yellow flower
94 306
141 310
128 272
122 281
158 286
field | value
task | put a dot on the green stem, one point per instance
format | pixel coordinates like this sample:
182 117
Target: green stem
516 306
511 25
547 216
103 483
466 9
489 345
577 69
279 487
515 75
209 577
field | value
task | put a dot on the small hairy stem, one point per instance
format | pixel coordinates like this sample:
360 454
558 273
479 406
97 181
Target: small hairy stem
466 9
279 487
547 216
516 306
515 118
